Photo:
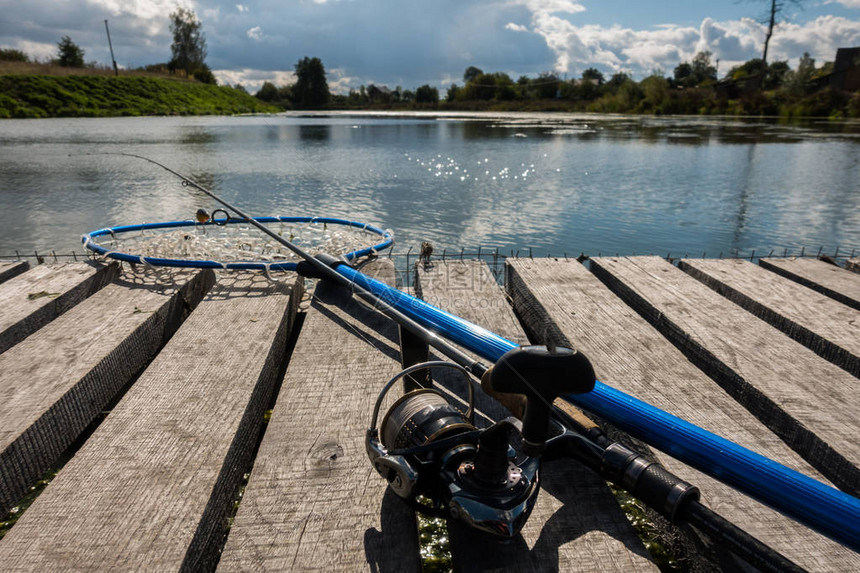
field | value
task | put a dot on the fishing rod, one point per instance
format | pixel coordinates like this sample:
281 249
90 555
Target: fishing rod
823 508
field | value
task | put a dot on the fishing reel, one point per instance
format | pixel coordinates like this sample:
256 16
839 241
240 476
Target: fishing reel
427 448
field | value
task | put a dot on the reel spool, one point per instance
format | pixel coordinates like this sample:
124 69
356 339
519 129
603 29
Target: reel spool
420 418
415 421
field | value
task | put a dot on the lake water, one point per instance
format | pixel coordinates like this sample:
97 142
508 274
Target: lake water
554 184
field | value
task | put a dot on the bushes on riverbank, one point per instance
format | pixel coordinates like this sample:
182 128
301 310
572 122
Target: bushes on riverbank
635 100
33 96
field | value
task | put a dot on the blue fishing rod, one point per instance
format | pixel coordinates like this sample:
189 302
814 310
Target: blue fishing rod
825 509
821 507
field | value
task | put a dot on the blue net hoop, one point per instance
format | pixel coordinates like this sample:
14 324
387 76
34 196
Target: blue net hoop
386 240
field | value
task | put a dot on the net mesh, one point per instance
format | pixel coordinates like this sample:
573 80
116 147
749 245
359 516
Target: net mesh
239 242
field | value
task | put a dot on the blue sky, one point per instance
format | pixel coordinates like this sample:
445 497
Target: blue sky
413 42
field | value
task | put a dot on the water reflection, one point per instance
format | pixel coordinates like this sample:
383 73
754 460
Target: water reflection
554 184
743 188
196 135
315 133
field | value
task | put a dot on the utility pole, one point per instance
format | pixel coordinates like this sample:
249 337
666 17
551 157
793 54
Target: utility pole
110 45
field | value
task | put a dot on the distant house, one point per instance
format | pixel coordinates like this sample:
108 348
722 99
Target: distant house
378 94
846 70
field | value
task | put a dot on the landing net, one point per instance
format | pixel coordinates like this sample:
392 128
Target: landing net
232 243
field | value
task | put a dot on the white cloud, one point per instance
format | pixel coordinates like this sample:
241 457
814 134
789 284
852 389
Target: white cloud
38 50
210 15
735 41
552 6
241 8
516 27
339 82
448 79
617 48
846 3
145 9
255 33
820 37
252 79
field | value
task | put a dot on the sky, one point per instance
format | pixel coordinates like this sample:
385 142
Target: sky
410 43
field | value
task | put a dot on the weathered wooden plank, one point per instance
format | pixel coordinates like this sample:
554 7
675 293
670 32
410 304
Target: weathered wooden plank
54 383
576 524
10 269
313 501
154 485
828 328
810 403
830 280
629 354
33 299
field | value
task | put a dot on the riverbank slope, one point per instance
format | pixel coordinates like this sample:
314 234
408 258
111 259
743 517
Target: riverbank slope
33 96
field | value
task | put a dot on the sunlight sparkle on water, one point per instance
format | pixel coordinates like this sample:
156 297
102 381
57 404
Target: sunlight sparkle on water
450 167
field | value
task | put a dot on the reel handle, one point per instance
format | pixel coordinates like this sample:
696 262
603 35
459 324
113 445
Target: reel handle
527 379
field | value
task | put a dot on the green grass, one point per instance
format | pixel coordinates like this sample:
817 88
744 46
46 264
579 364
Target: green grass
35 96
7 521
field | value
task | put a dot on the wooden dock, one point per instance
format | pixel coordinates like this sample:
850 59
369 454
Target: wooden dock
188 421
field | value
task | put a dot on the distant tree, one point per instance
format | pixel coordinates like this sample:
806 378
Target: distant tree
70 55
546 85
480 87
204 75
683 74
747 69
353 98
505 87
771 19
378 94
693 74
523 87
584 89
471 73
12 55
703 71
806 67
427 94
617 80
268 92
285 96
489 86
311 87
453 93
240 88
655 89
189 44
799 80
593 74
776 75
